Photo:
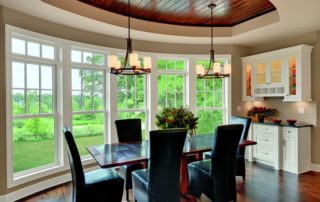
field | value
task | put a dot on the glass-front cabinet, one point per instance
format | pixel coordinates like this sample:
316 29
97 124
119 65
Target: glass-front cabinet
280 73
261 73
247 93
292 74
276 71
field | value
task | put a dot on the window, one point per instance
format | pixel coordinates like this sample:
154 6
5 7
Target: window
33 101
211 108
171 82
131 99
88 100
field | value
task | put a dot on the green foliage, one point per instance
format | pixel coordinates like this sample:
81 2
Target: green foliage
180 117
33 129
170 91
171 64
209 120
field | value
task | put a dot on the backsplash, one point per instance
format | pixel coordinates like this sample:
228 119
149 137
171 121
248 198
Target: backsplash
287 110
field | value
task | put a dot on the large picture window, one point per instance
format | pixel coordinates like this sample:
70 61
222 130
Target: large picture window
33 102
88 100
171 82
210 99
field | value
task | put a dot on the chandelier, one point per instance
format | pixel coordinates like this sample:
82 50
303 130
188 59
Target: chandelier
215 70
131 64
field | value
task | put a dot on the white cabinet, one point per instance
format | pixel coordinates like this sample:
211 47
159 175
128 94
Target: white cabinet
280 73
282 147
296 149
267 149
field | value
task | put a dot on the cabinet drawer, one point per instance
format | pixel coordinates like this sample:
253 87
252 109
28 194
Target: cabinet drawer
290 131
265 140
263 129
264 153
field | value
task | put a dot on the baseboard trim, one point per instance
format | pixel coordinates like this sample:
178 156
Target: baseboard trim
32 189
315 167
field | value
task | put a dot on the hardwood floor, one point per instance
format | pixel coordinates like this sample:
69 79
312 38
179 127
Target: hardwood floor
263 184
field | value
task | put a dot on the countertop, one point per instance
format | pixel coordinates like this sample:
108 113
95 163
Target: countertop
284 124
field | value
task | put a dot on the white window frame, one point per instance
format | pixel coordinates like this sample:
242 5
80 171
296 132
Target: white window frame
145 110
14 179
87 159
226 91
167 72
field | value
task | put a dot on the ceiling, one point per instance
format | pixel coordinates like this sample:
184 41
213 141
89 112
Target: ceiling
292 18
193 13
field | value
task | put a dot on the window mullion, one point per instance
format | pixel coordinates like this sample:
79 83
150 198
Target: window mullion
92 91
25 89
40 91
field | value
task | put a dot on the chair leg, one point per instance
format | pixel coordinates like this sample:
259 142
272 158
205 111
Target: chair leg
127 194
244 177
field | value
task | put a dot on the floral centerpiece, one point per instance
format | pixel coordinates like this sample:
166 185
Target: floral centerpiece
180 117
262 112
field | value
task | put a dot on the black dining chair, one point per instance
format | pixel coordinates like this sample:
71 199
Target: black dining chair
97 186
161 180
240 164
216 177
129 130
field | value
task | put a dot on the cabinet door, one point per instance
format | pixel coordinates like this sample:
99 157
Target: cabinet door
276 72
289 150
248 80
261 73
248 83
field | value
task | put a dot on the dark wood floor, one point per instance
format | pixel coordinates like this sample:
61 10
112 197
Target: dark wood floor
263 184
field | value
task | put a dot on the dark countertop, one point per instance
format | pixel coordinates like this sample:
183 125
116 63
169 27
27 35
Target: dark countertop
285 124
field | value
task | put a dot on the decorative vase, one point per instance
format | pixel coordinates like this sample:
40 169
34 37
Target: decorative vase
190 134
261 119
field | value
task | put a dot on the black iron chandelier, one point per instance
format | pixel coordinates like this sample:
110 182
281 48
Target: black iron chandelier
215 70
131 64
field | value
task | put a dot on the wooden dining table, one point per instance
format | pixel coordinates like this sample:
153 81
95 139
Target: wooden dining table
117 154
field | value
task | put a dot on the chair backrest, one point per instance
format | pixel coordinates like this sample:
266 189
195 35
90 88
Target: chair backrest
223 159
166 147
245 121
129 130
78 179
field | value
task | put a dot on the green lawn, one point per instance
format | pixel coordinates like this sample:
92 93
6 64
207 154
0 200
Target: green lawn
27 155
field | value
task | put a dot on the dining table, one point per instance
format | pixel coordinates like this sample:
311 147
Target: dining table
118 154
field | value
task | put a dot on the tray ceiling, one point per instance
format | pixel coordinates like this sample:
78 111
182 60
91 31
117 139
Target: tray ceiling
188 12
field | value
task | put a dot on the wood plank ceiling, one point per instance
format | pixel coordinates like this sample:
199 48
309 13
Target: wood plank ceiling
188 12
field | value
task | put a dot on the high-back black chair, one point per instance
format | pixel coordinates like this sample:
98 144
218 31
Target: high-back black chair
161 181
129 130
216 177
98 185
240 164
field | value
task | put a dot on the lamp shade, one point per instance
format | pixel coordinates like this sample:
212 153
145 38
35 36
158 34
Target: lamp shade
134 60
227 69
199 69
118 64
216 67
112 61
147 62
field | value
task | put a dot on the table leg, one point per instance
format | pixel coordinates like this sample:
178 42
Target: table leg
184 180
184 175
